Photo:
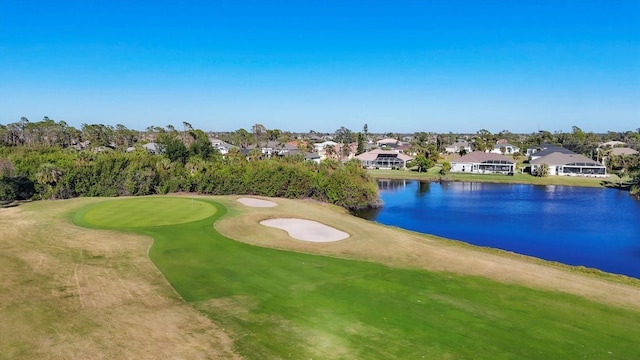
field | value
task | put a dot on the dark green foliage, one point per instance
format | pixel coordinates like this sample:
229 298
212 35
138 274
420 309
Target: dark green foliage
543 170
446 167
422 162
59 174
361 139
7 189
201 145
174 149
635 181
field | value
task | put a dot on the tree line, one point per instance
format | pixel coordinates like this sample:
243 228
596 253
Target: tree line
190 151
44 160
39 173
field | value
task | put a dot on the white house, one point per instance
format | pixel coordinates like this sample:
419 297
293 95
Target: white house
221 146
457 146
479 162
508 149
383 159
569 164
320 146
388 143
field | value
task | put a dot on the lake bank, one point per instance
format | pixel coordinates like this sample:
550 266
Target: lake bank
433 174
578 226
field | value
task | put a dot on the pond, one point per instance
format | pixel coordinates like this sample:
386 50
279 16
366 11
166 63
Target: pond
592 227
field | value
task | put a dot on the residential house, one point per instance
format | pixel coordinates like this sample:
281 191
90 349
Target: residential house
269 148
546 149
623 151
508 148
390 143
313 157
619 151
479 162
221 146
612 144
321 149
568 164
457 146
383 159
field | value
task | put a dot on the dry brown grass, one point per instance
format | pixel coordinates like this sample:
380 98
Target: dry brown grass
68 292
397 247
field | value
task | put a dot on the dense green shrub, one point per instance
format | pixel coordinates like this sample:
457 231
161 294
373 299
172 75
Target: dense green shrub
55 174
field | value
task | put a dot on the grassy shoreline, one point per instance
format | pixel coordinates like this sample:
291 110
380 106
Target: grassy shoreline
433 174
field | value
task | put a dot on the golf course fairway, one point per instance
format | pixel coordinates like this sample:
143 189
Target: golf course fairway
277 304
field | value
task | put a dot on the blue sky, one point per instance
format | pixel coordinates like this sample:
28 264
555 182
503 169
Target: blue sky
398 66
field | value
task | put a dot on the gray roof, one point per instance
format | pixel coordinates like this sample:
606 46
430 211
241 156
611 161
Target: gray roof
553 149
460 143
480 156
373 154
153 147
558 158
498 146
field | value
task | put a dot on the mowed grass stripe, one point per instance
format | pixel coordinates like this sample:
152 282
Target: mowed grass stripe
146 211
285 305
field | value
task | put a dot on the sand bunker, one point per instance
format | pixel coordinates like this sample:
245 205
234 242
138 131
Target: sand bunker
253 202
307 230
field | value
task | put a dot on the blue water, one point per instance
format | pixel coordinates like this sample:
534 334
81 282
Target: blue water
597 228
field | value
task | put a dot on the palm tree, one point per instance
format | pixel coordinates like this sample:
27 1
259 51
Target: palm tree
542 170
330 151
48 175
195 165
258 132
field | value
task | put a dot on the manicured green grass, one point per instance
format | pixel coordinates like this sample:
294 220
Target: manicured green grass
286 305
147 211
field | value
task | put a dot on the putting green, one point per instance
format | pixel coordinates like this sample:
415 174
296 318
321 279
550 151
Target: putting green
147 211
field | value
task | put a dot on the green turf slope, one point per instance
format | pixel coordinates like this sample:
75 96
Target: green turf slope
284 305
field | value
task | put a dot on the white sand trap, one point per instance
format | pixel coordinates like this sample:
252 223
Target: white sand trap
307 230
253 202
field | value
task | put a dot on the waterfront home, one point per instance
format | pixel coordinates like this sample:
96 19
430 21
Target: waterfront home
479 162
383 159
568 164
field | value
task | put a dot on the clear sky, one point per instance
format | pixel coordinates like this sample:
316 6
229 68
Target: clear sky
399 66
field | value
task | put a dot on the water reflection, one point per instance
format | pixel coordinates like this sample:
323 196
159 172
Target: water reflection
390 185
423 188
368 213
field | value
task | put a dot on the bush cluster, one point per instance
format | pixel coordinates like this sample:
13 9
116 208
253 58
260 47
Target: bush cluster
28 173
